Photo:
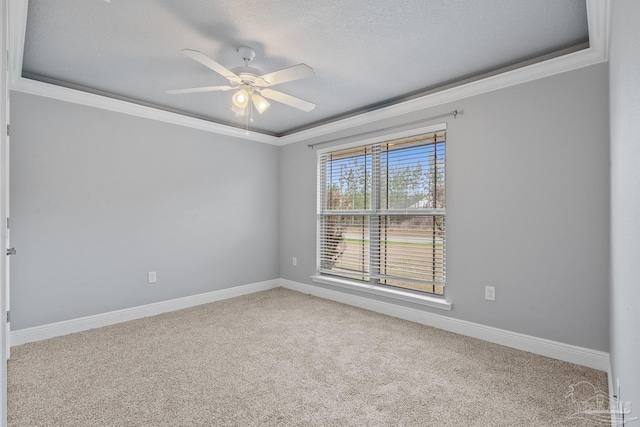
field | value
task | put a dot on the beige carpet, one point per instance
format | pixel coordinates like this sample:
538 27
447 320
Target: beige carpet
284 358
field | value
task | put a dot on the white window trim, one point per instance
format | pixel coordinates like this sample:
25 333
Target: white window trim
385 291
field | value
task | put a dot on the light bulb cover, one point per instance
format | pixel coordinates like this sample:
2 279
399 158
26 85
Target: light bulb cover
240 111
260 103
241 98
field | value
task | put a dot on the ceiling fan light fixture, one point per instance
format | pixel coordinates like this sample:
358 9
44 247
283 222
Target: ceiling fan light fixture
241 98
240 111
260 103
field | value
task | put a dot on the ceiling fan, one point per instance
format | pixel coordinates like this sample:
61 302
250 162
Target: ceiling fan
250 85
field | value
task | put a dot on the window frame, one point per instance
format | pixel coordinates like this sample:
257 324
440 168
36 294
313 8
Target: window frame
404 294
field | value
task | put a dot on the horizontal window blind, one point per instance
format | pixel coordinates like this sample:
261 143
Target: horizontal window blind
381 213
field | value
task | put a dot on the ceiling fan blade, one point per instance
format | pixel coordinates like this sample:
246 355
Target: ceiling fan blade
199 89
296 72
213 65
289 100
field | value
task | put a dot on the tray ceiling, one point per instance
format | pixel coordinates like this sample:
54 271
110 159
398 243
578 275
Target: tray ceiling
365 54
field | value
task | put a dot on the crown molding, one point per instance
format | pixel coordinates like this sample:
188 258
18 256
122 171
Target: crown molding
598 15
598 23
17 29
48 90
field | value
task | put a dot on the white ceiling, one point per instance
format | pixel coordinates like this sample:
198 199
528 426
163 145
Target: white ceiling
366 54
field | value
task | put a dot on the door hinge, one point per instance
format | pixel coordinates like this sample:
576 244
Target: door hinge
8 130
8 316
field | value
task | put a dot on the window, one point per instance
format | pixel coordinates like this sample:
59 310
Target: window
381 213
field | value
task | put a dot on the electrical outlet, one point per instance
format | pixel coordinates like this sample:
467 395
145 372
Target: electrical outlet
294 261
490 293
152 278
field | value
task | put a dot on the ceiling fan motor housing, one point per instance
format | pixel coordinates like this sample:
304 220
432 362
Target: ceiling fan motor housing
248 74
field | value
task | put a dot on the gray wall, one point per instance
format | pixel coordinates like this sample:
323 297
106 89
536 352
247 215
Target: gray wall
101 198
625 199
527 203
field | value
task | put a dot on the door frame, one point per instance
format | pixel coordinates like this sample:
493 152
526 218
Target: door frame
4 194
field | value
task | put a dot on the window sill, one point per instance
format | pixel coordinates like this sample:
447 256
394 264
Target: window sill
394 293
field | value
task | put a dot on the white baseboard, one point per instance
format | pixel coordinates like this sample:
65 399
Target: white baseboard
569 353
557 350
38 333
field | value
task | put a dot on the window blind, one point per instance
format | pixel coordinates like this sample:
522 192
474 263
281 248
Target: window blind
381 213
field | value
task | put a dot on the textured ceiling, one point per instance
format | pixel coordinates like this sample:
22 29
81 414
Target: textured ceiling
364 53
